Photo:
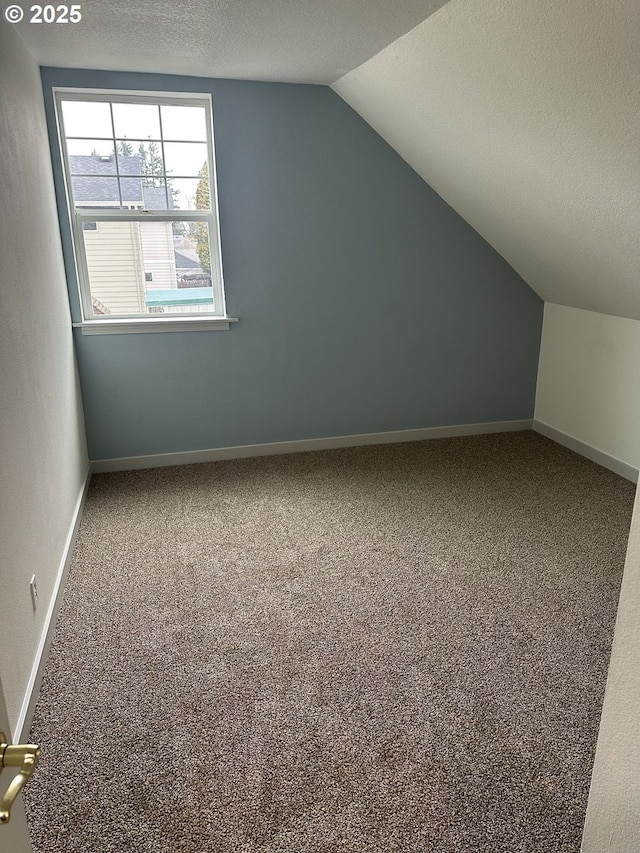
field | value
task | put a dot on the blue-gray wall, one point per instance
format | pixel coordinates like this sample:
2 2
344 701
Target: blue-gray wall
365 303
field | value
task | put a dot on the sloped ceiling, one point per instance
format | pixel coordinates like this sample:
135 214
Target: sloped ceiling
524 117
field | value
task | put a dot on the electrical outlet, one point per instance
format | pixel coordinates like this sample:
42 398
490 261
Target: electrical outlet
33 586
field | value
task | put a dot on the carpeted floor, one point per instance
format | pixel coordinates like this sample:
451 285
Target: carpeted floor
395 648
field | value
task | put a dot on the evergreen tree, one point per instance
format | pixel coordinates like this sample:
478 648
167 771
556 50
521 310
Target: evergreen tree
151 165
124 148
203 202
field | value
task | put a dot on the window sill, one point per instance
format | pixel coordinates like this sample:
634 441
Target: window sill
138 325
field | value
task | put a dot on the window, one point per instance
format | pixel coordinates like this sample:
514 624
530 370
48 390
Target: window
140 179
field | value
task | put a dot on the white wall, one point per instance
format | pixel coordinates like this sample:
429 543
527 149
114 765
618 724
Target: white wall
589 380
589 389
524 116
613 813
42 444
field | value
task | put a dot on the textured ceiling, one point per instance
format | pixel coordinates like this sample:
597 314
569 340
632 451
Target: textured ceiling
302 41
524 116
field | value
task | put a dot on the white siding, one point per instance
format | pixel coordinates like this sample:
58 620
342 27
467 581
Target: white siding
156 239
115 273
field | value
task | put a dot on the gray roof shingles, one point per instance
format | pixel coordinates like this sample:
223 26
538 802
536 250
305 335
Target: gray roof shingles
94 180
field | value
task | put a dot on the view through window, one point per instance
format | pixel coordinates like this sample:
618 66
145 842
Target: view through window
139 176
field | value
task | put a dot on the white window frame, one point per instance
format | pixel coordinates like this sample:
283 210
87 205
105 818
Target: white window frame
119 323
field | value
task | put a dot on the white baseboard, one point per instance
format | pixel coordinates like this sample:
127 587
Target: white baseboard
25 716
215 454
625 470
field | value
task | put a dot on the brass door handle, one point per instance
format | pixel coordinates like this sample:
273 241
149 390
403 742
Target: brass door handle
24 756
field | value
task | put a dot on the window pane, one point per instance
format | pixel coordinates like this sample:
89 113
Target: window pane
132 192
156 196
91 157
190 193
136 121
188 123
112 259
185 159
149 268
95 191
137 157
86 118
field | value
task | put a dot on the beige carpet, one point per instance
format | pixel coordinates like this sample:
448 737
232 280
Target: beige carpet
398 648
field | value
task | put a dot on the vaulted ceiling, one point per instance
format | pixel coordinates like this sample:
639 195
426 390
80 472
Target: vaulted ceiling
525 117
522 114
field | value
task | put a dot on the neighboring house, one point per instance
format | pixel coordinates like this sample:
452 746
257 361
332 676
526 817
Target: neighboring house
188 268
125 259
